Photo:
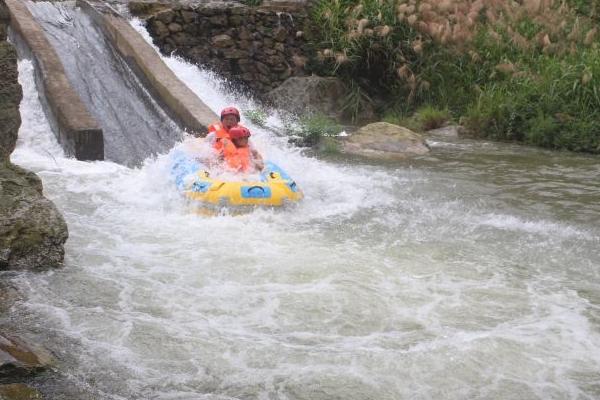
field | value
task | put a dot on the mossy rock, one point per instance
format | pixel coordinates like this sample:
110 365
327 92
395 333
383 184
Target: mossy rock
385 141
19 391
32 231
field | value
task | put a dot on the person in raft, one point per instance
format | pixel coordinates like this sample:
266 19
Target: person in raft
237 152
230 117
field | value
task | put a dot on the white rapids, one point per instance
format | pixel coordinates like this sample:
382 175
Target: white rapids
433 279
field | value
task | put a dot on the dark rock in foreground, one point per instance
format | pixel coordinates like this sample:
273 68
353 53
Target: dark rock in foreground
19 359
19 391
32 231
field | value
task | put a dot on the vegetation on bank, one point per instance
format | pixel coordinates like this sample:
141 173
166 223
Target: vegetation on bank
526 71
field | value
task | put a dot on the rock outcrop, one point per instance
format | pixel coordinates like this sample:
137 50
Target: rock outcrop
10 97
32 231
319 95
385 141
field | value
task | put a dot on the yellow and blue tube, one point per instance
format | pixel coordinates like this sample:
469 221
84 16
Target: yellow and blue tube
274 188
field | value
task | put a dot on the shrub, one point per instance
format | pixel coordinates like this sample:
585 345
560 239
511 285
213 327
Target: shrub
311 128
430 117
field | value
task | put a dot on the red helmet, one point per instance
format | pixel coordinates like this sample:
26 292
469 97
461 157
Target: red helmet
238 132
230 111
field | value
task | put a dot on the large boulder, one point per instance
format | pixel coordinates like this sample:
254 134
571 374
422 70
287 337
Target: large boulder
329 96
19 358
385 141
32 231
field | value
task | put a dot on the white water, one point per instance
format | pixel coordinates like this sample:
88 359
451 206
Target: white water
421 281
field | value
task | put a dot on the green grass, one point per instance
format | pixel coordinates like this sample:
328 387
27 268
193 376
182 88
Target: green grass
537 94
312 128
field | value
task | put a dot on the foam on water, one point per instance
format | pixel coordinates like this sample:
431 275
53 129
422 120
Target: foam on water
384 283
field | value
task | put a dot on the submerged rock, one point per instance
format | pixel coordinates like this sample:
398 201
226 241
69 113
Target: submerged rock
446 131
385 141
19 391
19 359
32 231
318 95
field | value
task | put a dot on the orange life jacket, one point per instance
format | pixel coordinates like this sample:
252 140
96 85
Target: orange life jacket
220 134
236 158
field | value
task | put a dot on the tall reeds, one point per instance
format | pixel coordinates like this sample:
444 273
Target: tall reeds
503 64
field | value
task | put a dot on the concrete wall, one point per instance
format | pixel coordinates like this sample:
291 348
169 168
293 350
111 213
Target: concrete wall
77 131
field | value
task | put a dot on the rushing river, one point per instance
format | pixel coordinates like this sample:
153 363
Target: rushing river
471 273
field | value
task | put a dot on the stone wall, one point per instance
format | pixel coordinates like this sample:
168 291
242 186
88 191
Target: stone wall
259 47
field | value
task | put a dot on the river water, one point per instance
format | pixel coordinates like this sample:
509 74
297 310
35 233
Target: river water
471 273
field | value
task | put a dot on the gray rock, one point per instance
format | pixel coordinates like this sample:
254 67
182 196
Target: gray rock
159 28
19 391
188 16
222 41
175 27
165 16
18 358
8 296
317 95
280 33
385 141
446 131
32 231
10 97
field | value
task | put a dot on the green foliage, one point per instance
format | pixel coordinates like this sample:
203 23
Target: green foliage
430 117
313 127
329 145
356 99
252 3
257 117
556 104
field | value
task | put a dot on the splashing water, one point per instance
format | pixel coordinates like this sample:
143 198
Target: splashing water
465 274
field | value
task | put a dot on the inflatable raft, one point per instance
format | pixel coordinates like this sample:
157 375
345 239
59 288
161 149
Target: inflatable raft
273 188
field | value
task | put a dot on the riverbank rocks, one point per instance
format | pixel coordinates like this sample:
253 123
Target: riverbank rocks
450 131
318 95
32 231
19 391
19 359
257 47
385 141
10 97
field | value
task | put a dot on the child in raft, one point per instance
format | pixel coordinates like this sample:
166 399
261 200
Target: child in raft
238 154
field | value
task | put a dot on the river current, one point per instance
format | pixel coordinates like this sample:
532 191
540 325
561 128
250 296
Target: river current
470 273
